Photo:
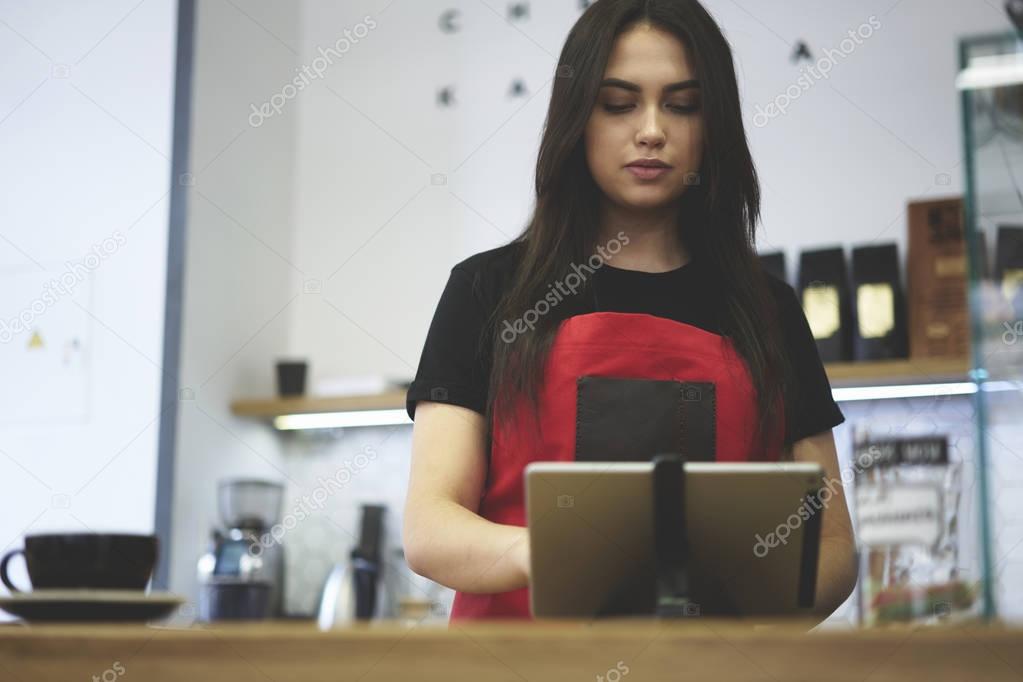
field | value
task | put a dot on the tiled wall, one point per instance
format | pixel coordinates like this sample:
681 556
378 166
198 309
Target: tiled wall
336 473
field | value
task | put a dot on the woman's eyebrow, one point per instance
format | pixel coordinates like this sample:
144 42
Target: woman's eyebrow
626 85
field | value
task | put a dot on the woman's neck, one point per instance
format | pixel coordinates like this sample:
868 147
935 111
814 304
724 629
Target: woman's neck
653 241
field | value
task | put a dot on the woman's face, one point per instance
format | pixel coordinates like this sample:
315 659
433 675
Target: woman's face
648 108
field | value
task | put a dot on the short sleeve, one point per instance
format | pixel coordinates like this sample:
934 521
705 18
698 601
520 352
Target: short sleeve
453 367
811 408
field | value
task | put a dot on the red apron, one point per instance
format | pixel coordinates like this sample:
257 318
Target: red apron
608 344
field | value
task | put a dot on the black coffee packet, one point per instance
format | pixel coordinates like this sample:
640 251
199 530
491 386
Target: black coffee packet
824 293
879 304
1009 265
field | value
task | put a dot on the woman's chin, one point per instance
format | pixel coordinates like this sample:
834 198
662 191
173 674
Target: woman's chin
646 199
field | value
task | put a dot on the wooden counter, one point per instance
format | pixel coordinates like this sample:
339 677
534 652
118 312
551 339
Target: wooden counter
700 649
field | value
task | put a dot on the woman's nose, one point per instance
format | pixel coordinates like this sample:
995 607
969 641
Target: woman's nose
651 132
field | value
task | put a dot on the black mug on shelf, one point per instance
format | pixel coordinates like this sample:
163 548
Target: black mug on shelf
112 561
291 377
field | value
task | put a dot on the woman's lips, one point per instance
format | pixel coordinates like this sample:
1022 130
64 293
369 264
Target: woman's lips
647 172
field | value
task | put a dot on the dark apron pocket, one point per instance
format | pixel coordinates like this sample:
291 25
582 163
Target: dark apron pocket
623 419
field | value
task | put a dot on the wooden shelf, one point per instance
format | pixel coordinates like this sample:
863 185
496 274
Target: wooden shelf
891 372
273 407
841 375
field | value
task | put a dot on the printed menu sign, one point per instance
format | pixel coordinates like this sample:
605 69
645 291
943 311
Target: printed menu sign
898 514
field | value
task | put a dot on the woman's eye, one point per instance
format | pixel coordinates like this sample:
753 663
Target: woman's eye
678 108
685 108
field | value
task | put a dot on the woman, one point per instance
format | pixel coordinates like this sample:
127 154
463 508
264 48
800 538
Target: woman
638 262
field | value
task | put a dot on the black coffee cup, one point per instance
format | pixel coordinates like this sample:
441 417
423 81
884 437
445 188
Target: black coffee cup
113 561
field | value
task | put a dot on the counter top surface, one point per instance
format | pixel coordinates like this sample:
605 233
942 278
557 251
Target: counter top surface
699 649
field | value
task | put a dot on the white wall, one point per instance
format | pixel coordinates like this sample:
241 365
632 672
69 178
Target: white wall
86 97
239 281
839 167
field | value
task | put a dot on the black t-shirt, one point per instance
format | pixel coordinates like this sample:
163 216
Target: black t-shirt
455 365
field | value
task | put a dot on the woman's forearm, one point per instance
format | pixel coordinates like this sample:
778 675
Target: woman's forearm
459 549
837 570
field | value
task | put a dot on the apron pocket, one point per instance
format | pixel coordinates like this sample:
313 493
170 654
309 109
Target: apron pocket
699 421
623 419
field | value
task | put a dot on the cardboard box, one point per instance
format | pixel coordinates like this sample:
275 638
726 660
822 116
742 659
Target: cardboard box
939 318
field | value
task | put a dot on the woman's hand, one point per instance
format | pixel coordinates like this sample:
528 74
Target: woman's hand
837 568
521 554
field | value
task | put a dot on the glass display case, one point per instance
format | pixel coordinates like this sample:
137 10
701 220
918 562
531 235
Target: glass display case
990 85
939 483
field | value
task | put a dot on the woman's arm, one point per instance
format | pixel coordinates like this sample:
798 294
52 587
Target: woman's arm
837 568
445 539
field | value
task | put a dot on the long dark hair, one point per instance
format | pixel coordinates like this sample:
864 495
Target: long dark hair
718 214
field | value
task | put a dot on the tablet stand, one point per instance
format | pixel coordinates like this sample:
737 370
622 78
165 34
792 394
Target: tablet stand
671 544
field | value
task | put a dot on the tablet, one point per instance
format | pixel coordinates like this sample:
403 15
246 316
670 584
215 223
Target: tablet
753 533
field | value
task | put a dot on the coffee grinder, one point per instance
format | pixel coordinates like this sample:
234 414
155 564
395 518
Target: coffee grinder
242 574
